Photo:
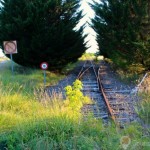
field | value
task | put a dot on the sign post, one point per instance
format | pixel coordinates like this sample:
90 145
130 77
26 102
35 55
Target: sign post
12 64
44 67
10 47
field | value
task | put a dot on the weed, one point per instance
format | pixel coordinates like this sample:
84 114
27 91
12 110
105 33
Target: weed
75 98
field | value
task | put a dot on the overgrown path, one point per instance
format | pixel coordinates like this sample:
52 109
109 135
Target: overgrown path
117 92
72 76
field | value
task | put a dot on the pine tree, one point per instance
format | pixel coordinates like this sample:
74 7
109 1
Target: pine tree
120 27
44 30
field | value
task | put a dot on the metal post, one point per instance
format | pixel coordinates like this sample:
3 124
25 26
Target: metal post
44 78
12 64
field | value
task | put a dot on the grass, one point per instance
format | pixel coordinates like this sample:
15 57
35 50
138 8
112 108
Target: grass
143 108
19 94
65 132
32 120
3 58
68 68
87 56
129 75
25 80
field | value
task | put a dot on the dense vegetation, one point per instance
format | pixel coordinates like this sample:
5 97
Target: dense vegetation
30 119
123 31
44 31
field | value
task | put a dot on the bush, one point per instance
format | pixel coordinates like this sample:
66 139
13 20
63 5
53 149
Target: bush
75 98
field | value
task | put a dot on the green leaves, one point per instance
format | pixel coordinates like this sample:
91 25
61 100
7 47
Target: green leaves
74 97
123 31
44 31
73 93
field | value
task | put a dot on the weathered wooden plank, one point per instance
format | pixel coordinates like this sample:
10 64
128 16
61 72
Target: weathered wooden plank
119 91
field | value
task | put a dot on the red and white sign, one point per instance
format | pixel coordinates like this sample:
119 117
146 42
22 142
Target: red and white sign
44 65
10 47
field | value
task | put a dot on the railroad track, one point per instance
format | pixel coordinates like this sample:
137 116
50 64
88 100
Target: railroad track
108 103
120 100
91 88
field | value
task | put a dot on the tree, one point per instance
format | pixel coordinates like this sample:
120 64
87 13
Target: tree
121 32
44 30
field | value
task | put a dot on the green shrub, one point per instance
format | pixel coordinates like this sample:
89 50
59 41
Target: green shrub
74 97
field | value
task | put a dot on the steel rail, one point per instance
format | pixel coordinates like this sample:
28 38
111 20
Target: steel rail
110 110
80 73
101 89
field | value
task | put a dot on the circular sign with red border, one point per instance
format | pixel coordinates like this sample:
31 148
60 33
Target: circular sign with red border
44 65
10 47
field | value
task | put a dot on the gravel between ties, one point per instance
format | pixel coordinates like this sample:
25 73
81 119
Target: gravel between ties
68 80
72 76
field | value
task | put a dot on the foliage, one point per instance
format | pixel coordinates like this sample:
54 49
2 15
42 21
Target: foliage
75 98
143 108
64 133
25 80
44 31
26 123
87 56
19 95
68 68
123 31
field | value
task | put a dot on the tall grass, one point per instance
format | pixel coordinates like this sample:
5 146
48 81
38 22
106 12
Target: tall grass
17 94
32 120
24 80
143 108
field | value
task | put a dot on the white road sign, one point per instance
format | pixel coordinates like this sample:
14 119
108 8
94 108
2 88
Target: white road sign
10 47
44 65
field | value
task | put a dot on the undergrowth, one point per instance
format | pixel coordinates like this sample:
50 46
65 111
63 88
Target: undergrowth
87 56
75 98
30 119
143 108
130 74
24 80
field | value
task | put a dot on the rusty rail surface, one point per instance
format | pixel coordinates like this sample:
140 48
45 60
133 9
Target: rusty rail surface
101 90
110 110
